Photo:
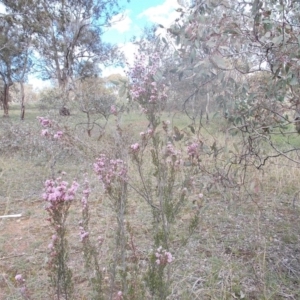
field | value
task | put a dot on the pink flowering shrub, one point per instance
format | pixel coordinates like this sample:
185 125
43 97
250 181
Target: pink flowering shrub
113 175
163 182
171 183
90 252
59 196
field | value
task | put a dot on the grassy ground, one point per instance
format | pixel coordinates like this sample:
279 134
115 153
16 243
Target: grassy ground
246 245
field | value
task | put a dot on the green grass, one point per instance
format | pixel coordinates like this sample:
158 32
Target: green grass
246 245
289 139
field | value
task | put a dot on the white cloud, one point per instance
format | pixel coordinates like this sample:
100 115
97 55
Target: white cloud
129 50
121 22
163 14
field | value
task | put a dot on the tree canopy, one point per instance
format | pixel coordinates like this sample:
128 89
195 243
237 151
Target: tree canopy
65 38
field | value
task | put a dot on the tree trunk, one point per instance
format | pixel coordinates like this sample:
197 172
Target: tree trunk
22 101
6 99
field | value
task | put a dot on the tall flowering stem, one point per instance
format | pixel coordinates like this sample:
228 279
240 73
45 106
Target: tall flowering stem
51 134
59 197
90 252
113 175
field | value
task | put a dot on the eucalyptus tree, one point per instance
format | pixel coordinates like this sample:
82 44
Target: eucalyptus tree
67 36
14 55
247 53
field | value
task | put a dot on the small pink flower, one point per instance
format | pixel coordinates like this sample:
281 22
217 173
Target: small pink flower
200 195
113 110
58 135
19 278
100 240
144 110
135 147
83 235
170 150
45 132
150 131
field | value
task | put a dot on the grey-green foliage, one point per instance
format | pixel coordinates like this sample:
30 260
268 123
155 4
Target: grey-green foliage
229 43
246 56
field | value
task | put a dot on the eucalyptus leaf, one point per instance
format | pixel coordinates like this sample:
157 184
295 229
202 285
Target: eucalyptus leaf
158 76
221 62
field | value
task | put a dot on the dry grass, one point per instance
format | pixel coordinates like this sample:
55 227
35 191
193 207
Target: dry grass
245 247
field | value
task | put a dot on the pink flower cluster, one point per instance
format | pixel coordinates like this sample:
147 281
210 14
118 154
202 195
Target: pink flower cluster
83 234
193 150
135 147
144 89
163 257
47 124
170 150
147 134
173 156
110 171
57 191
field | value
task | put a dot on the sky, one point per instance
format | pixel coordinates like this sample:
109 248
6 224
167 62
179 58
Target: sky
137 14
134 16
130 22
